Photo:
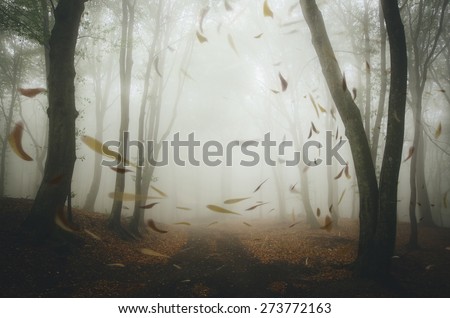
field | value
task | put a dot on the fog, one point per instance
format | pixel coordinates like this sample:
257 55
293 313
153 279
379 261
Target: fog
218 74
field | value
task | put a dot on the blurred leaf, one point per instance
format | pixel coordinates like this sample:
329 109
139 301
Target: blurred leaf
258 36
150 252
31 92
94 236
149 206
259 187
183 223
438 131
266 9
328 224
201 38
159 191
233 46
151 224
15 141
255 206
284 83
410 154
233 201
219 209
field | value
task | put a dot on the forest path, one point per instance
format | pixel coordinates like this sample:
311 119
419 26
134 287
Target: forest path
216 264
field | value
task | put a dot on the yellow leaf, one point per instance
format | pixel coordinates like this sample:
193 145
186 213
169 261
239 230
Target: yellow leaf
219 209
15 141
266 9
201 38
233 201
150 252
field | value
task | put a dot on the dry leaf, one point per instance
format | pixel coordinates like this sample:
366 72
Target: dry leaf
183 223
149 206
328 224
151 224
266 9
31 92
116 265
233 46
94 236
15 141
62 222
120 170
339 174
259 187
410 153
438 131
56 179
212 223
150 252
249 225
341 197
314 104
183 208
233 201
258 36
344 83
219 209
284 83
318 212
159 191
255 206
201 38
347 173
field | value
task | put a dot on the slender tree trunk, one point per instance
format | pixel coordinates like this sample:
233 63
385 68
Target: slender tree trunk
383 88
387 219
368 75
354 128
62 114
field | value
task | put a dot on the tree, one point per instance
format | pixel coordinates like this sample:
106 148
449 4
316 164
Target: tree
377 204
62 114
126 65
426 21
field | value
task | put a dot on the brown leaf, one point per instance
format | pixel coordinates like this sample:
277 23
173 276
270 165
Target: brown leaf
151 224
341 197
354 91
55 180
159 191
62 222
255 206
347 173
313 127
183 208
94 236
310 133
318 212
249 225
31 92
15 141
367 67
314 105
258 36
322 109
293 224
330 209
438 131
266 9
284 83
339 174
410 153
219 209
201 38
233 201
183 223
149 206
212 223
150 252
259 187
120 170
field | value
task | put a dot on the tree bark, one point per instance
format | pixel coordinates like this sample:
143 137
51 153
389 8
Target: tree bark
354 128
387 219
62 114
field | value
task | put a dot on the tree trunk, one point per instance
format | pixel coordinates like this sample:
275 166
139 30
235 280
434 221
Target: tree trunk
383 86
387 219
126 63
62 115
368 75
354 128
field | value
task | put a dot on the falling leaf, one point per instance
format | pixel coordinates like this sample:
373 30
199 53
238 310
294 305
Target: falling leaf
201 38
367 67
156 65
429 267
347 173
62 222
330 209
410 153
212 223
291 32
354 91
328 224
266 9
151 224
339 174
228 7
183 223
150 252
321 108
233 201
275 91
15 141
159 191
318 212
233 46
116 265
55 180
149 206
314 104
185 73
126 208
249 225
255 206
219 209
202 16
183 208
176 266
119 196
396 117
94 236
186 281
337 133
98 147
284 83
333 113
258 36
293 224
258 187
441 90
344 83
120 170
438 131
31 92
341 197
313 127
310 132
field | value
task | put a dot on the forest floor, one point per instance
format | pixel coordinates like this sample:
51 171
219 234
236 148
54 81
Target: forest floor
229 259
